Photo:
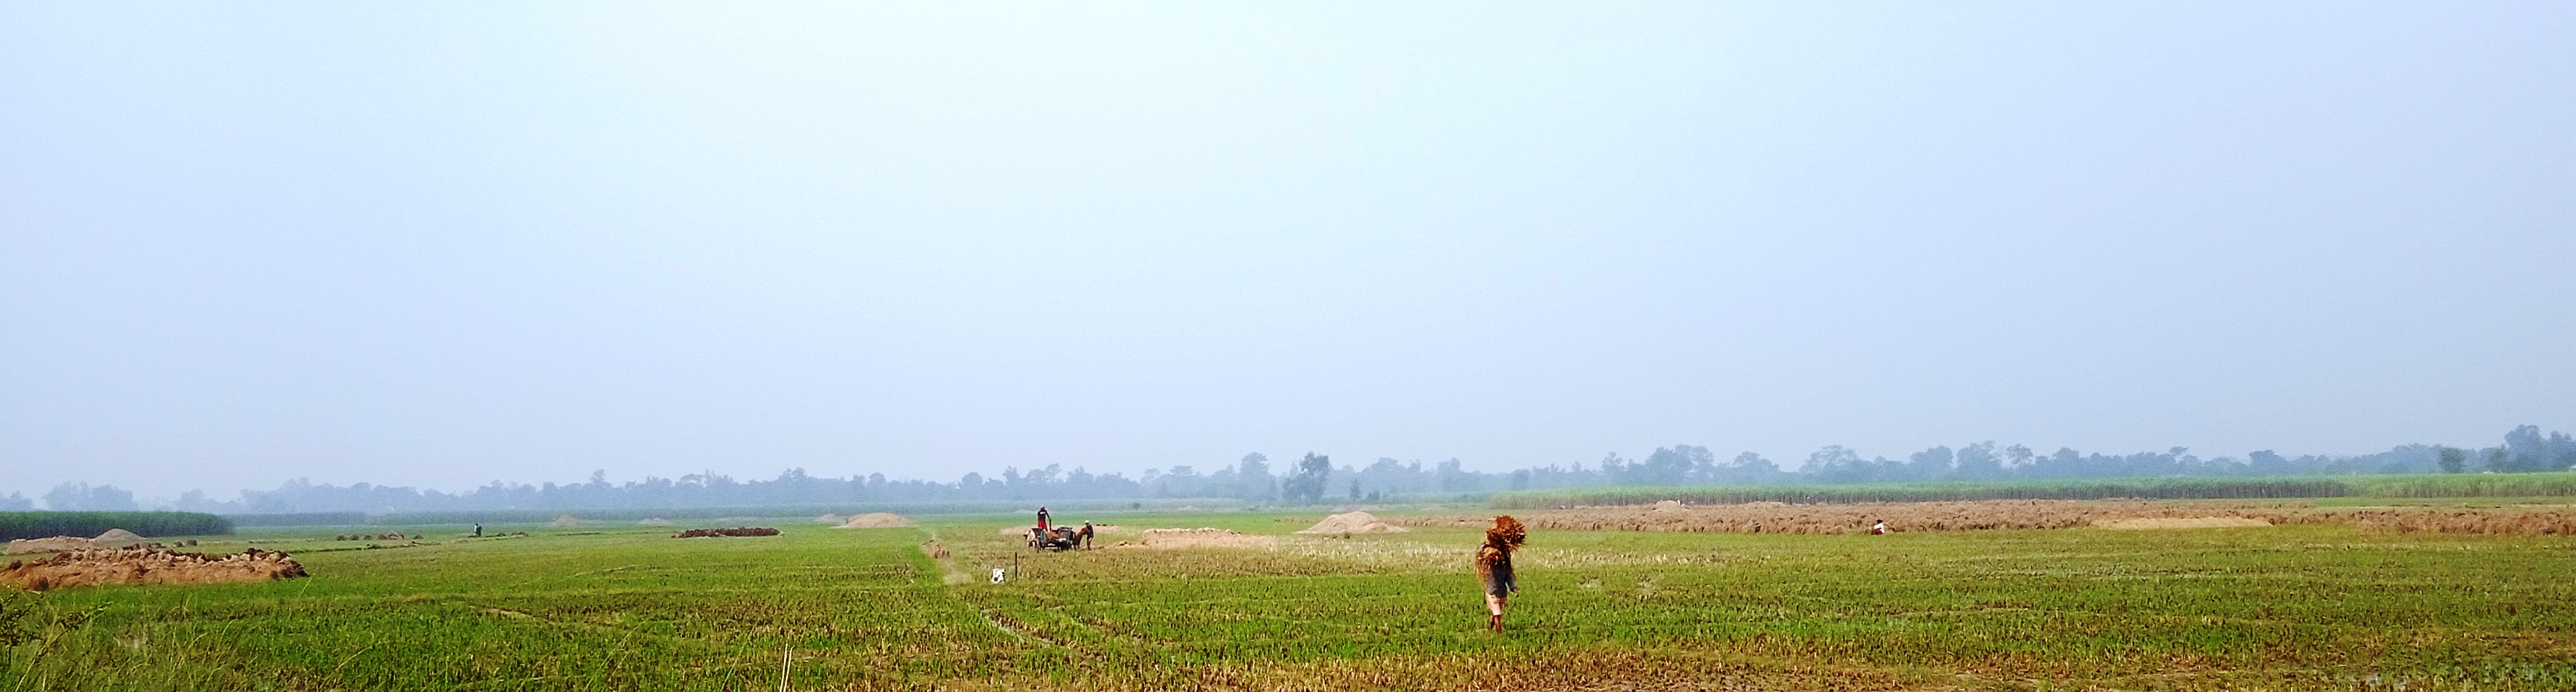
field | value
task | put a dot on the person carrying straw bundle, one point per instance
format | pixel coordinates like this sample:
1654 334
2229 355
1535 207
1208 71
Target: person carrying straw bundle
1494 566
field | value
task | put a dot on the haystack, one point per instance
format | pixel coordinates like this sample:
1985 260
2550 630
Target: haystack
50 545
1203 537
878 520
1352 522
146 565
118 538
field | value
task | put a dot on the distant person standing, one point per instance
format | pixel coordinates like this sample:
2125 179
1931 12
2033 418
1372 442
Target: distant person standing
1042 520
1086 534
1494 566
478 530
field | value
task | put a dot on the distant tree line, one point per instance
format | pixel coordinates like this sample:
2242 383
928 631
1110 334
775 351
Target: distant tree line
1315 479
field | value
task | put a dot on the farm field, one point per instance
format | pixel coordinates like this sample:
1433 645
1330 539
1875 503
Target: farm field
619 606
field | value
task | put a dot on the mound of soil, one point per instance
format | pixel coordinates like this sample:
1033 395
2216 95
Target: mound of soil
147 565
1168 539
119 538
738 531
50 545
2182 523
1350 522
1670 506
878 520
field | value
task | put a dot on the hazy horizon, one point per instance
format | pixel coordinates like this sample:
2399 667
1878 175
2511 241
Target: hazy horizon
437 246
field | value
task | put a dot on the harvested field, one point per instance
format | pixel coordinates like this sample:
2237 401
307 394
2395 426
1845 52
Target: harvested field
2296 608
144 565
878 520
49 545
2181 523
1775 517
1202 537
717 533
1350 523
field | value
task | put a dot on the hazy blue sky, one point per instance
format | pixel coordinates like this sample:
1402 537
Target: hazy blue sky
444 243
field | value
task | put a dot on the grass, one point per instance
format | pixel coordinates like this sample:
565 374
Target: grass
2290 607
2480 485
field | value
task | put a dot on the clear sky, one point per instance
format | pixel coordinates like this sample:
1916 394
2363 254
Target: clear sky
439 244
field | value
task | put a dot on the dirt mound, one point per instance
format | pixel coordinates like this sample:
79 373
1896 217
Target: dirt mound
118 538
878 520
2181 523
1351 522
49 545
1204 537
738 531
147 565
1670 506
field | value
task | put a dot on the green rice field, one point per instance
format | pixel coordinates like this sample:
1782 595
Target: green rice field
626 607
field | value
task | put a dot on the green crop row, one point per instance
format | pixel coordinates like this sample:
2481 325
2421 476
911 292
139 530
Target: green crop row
16 525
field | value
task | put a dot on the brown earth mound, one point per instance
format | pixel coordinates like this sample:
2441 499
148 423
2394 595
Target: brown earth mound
878 520
1168 539
118 538
738 531
146 565
50 545
1352 522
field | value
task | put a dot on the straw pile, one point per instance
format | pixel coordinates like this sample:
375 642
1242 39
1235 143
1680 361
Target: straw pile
1203 537
877 520
50 545
717 533
1348 523
147 565
2181 523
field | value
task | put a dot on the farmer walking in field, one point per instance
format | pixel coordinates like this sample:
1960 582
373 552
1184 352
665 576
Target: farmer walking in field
1494 566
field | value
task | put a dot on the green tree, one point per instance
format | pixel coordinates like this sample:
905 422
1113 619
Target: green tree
2454 459
1306 484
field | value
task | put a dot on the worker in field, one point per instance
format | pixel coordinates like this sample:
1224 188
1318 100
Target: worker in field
1494 566
1879 529
1085 536
1042 521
